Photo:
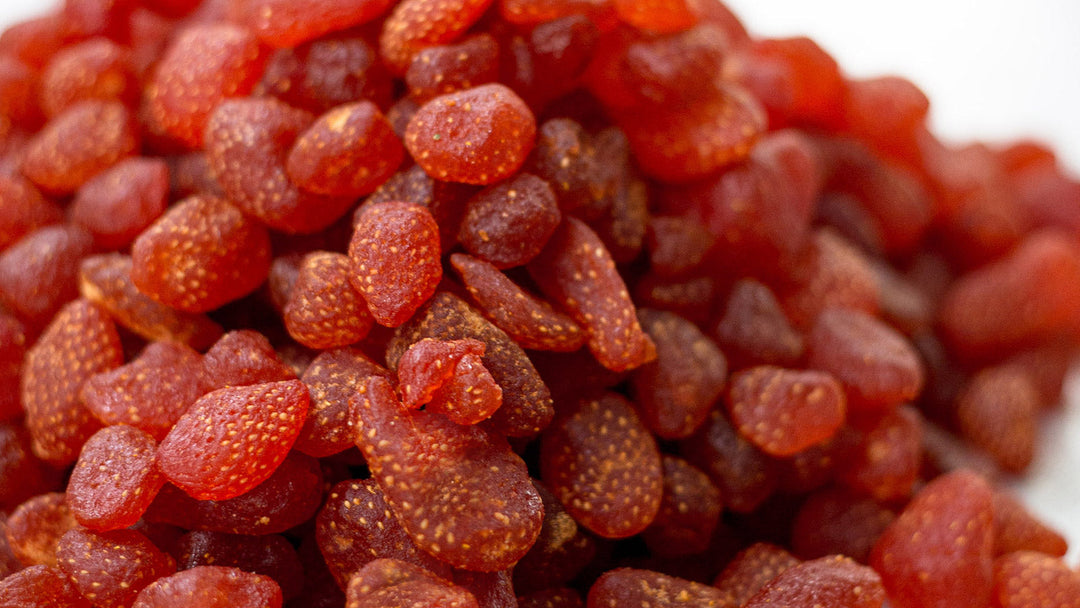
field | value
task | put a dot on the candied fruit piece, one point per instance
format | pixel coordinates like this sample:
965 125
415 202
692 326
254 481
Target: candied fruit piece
211 587
834 581
247 146
509 223
531 12
486 512
576 271
1017 529
997 412
35 526
40 587
81 341
886 112
751 569
689 511
349 151
631 587
204 65
677 245
106 281
38 273
111 568
22 475
448 377
96 69
478 136
271 555
19 85
656 15
883 458
77 144
242 358
834 274
445 200
754 329
414 25
561 551
356 527
392 583
23 210
834 521
675 392
120 202
449 68
745 476
267 419
115 478
603 465
200 254
939 551
328 72
331 378
491 589
285 24
1027 579
323 310
550 61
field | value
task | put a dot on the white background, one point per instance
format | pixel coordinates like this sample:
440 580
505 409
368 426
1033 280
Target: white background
993 69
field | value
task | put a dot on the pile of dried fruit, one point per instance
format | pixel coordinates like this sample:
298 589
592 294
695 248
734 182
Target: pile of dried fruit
485 303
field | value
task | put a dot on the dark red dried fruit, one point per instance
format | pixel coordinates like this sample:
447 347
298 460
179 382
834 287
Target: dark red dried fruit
211 587
115 478
111 568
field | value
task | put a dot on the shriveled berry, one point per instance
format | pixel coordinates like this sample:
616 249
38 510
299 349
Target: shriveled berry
829 581
883 457
111 568
328 72
745 476
41 587
322 309
631 587
115 478
23 209
38 273
835 521
449 68
34 527
689 511
1027 579
448 377
755 330
414 25
331 379
211 587
834 274
120 202
445 200
284 24
96 69
509 223
751 569
269 555
561 551
242 358
392 583
998 412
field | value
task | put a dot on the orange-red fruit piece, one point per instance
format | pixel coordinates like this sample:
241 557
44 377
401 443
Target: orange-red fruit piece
1016 529
211 587
111 568
604 466
689 511
323 310
24 209
120 202
835 521
270 555
659 16
631 587
998 412
19 86
1027 579
877 365
450 378
285 24
331 379
532 12
939 551
40 587
576 271
417 24
509 223
242 358
96 69
784 411
204 65
676 391
395 257
744 474
34 527
38 273
392 583
349 151
81 341
834 581
883 458
105 280
477 136
443 69
199 255
115 478
751 569
470 395
244 432
460 492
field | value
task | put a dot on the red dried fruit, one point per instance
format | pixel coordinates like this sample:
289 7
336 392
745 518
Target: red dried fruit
656 15
37 273
244 433
445 200
1017 529
998 412
22 475
34 527
271 555
558 597
689 511
829 581
392 583
449 377
751 569
211 587
40 587
13 344
509 223
883 458
834 274
449 68
754 330
19 85
111 568
476 136
81 341
322 309
96 69
284 24
630 587
23 210
539 11
939 551
242 358
414 25
604 467
115 478
459 491
1027 579
745 476
331 379
395 279
560 552
120 202
832 522
328 72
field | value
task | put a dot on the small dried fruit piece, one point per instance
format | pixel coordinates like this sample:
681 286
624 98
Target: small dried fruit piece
111 568
22 475
630 587
998 412
328 72
754 330
35 526
835 521
24 210
200 254
331 379
37 273
322 309
417 24
115 478
448 68
751 569
834 581
41 587
121 201
745 476
883 457
285 24
561 551
1016 529
689 511
450 378
211 587
509 223
242 358
96 69
392 583
244 433
476 136
1027 579
270 555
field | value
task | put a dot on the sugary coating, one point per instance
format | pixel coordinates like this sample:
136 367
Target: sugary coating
939 551
461 482
509 223
242 358
675 392
754 329
111 568
40 587
1017 529
576 271
356 526
105 280
322 309
883 457
689 511
328 72
115 478
245 431
291 496
331 379
24 209
445 200
396 278
34 527
211 587
270 555
631 587
557 597
604 466
448 68
349 151
219 255
414 25
22 475
120 202
81 341
998 412
38 273
204 65
247 145
751 569
392 583
1028 579
96 69
834 581
878 367
837 522
151 391
285 24
745 476
477 136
